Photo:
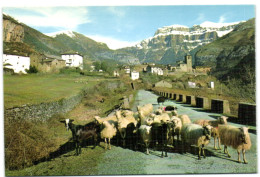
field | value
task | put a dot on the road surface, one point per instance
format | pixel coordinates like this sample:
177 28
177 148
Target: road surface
125 161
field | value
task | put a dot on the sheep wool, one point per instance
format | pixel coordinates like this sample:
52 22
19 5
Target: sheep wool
230 136
193 134
145 110
184 119
112 118
109 130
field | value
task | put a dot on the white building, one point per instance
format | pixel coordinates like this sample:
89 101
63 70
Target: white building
18 63
134 75
158 71
73 59
116 74
127 70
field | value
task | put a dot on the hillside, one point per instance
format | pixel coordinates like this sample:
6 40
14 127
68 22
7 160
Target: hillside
35 41
230 53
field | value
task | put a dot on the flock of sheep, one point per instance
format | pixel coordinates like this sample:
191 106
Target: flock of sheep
152 129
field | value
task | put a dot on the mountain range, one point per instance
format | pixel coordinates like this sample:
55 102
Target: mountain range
171 43
210 44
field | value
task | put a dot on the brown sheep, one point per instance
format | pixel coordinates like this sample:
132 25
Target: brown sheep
237 138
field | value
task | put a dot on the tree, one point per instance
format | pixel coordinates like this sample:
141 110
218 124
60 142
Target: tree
97 65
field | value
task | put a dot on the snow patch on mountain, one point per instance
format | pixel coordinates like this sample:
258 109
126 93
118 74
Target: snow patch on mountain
206 27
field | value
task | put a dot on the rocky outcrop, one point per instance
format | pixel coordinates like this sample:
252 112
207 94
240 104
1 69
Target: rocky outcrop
12 32
171 43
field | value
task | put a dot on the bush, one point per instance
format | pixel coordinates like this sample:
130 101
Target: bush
32 69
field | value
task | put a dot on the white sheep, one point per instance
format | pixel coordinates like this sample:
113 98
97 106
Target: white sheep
108 132
214 124
125 118
184 119
110 118
108 127
237 138
146 136
163 118
144 111
176 127
194 134
159 111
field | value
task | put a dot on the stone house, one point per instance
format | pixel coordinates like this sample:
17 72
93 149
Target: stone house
47 63
184 66
17 63
202 69
163 83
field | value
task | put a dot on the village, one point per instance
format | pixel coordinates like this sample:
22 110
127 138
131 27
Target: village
46 63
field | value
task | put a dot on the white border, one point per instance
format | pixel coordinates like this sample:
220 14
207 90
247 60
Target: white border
37 3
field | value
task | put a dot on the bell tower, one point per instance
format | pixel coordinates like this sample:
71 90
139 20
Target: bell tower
188 60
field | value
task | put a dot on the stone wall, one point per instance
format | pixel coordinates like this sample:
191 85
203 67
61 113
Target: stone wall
43 111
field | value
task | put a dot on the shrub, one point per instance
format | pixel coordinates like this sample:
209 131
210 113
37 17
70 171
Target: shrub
32 69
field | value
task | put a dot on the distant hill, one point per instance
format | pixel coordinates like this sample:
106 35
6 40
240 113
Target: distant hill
232 54
16 32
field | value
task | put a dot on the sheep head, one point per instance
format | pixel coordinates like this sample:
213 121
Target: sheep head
222 120
67 122
148 129
207 131
176 122
118 114
149 121
126 113
97 120
243 134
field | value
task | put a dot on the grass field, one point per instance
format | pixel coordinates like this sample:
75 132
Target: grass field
35 89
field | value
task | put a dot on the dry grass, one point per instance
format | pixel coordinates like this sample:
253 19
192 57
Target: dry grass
27 142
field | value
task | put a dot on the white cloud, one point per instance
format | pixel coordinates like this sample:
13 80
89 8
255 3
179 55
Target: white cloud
62 17
222 19
112 43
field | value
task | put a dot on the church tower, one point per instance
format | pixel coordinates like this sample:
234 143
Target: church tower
188 60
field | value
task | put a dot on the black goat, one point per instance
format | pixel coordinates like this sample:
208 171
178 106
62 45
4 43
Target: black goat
161 99
160 137
170 108
131 136
82 132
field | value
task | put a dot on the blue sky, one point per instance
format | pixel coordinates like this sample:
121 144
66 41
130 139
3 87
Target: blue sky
119 26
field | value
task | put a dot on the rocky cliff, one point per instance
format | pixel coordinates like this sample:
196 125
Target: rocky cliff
171 43
12 30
